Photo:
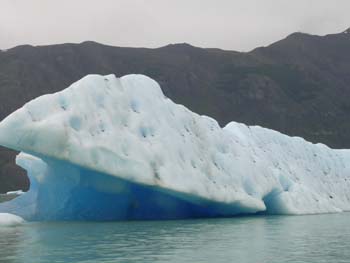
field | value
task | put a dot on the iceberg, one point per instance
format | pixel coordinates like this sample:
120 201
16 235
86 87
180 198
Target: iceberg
18 192
110 148
7 220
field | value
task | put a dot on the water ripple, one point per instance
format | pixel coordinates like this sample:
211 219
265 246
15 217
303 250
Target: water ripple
319 238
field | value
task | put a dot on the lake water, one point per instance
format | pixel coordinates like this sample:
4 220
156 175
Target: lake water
317 238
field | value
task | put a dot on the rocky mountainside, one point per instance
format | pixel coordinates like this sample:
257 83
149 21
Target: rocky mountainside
299 85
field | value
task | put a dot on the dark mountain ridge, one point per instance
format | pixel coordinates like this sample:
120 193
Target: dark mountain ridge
299 85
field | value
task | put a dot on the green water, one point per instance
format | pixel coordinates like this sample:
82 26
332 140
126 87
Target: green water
318 238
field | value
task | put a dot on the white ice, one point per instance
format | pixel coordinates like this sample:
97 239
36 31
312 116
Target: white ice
10 220
18 192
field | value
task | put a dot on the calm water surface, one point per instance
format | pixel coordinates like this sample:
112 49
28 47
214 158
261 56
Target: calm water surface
318 238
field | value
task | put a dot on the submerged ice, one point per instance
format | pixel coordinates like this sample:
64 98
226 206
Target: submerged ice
110 148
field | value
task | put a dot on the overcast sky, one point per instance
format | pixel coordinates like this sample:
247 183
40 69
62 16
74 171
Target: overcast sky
228 24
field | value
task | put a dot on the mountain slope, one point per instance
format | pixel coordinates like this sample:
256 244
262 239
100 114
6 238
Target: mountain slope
298 86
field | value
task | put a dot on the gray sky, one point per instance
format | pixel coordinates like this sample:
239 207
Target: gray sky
229 24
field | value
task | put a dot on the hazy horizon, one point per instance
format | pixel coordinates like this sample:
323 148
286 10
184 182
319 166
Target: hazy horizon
232 25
